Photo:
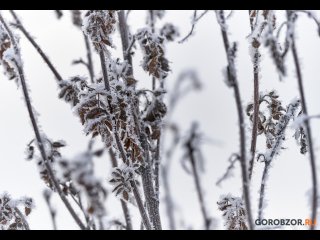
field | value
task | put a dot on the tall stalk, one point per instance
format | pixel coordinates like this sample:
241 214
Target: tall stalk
232 81
254 133
314 205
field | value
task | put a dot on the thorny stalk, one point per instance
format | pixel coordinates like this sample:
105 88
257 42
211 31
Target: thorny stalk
232 79
89 58
314 206
191 154
37 132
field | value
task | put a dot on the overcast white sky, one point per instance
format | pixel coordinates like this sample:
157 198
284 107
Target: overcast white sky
213 108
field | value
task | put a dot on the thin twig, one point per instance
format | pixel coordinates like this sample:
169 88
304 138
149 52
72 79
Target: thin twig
195 20
89 58
256 103
243 161
314 205
191 154
36 46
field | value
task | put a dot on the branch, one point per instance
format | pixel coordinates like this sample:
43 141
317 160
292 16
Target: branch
151 198
89 58
232 81
255 44
191 154
195 20
308 130
136 193
36 46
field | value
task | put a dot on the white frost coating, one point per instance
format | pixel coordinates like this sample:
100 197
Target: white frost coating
233 212
280 130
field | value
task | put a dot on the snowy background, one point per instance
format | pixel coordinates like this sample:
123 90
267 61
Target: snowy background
213 107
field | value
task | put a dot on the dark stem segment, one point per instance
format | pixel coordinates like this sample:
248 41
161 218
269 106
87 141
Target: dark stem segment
262 188
52 213
243 162
36 46
124 206
197 181
124 33
157 167
37 133
89 58
168 197
309 136
256 104
149 192
136 193
143 213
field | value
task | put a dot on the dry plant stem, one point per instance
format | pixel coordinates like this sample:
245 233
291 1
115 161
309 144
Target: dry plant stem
243 163
150 195
140 206
124 33
262 189
52 215
256 105
157 167
309 136
136 193
198 186
157 154
168 198
24 221
149 191
36 46
89 58
123 203
37 133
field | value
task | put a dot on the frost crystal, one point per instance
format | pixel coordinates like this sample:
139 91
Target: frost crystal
99 25
234 212
11 218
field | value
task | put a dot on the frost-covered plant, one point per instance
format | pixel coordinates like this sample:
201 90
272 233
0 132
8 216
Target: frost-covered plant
234 212
194 156
154 60
5 44
275 139
99 25
11 217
